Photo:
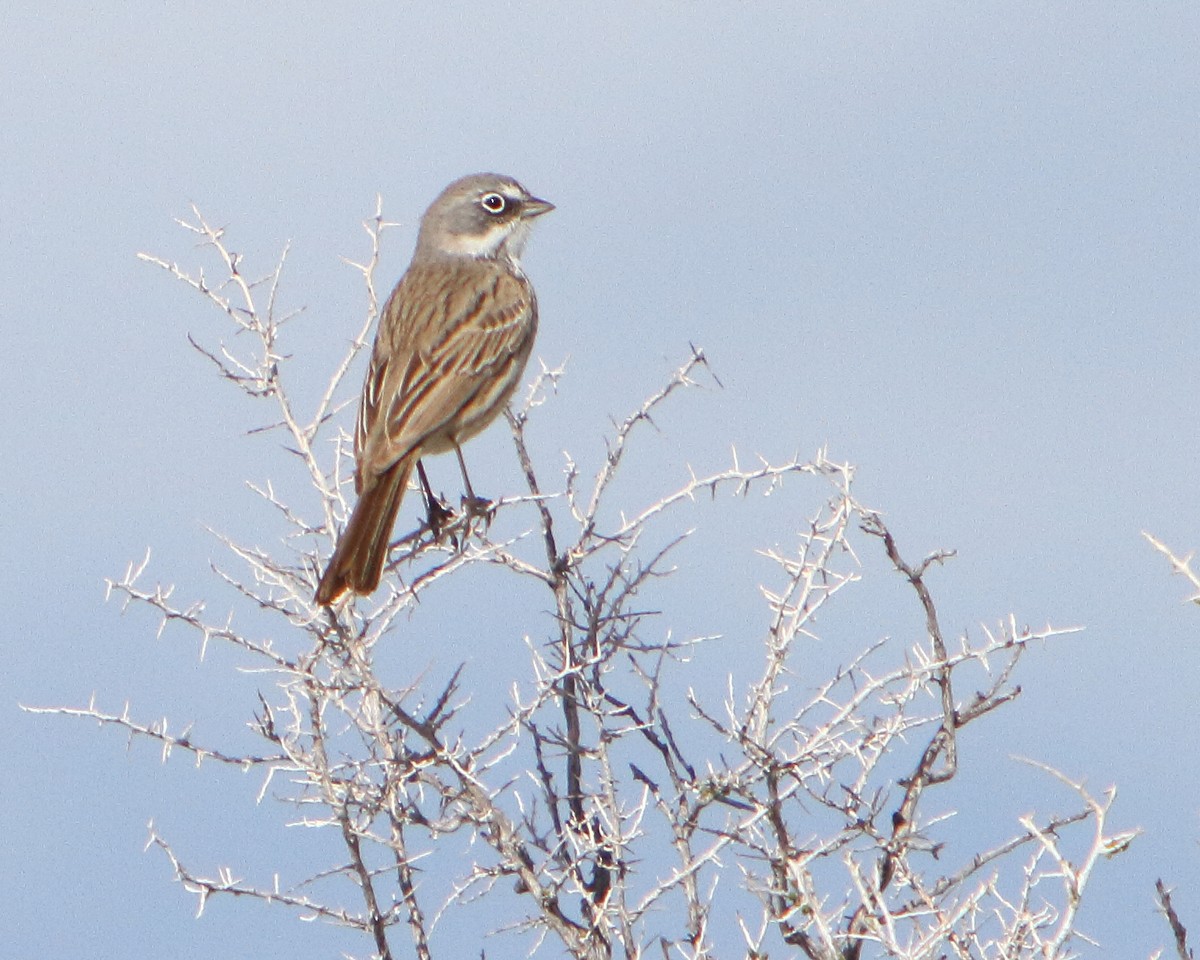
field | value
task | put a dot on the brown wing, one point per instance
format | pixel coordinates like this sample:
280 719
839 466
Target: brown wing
452 344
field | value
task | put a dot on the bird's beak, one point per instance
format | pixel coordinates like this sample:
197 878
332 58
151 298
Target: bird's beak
533 207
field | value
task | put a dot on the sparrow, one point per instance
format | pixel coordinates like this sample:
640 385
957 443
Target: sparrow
452 344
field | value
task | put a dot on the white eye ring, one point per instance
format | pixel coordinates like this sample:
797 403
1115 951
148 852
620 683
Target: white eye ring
493 203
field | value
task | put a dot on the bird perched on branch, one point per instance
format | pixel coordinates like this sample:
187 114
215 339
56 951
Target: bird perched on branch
451 348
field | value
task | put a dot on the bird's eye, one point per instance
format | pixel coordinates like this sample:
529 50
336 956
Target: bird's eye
493 202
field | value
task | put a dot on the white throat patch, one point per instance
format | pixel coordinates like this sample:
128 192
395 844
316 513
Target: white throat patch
502 240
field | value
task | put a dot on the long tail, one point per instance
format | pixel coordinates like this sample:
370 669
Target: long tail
357 562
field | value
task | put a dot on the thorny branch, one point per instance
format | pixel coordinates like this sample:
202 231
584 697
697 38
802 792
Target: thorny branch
1178 930
1179 565
601 794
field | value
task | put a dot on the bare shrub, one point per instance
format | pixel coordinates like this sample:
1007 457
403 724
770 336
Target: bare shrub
596 795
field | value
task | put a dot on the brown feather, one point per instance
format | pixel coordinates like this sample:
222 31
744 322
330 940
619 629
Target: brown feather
440 349
357 563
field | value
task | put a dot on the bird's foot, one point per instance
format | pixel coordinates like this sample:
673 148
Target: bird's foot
438 516
479 508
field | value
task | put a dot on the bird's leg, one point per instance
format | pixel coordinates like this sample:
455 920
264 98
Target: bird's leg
475 506
437 513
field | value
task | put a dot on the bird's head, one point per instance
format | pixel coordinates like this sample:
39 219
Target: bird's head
485 215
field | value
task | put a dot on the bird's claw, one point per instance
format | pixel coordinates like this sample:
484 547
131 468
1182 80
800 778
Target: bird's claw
479 508
438 517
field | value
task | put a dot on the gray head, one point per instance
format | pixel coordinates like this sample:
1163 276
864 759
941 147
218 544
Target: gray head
485 215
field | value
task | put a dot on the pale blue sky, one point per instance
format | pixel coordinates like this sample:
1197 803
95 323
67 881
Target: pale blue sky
958 243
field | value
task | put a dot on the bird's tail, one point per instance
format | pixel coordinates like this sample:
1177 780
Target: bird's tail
357 562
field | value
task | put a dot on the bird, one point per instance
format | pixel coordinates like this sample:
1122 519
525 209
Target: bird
451 347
